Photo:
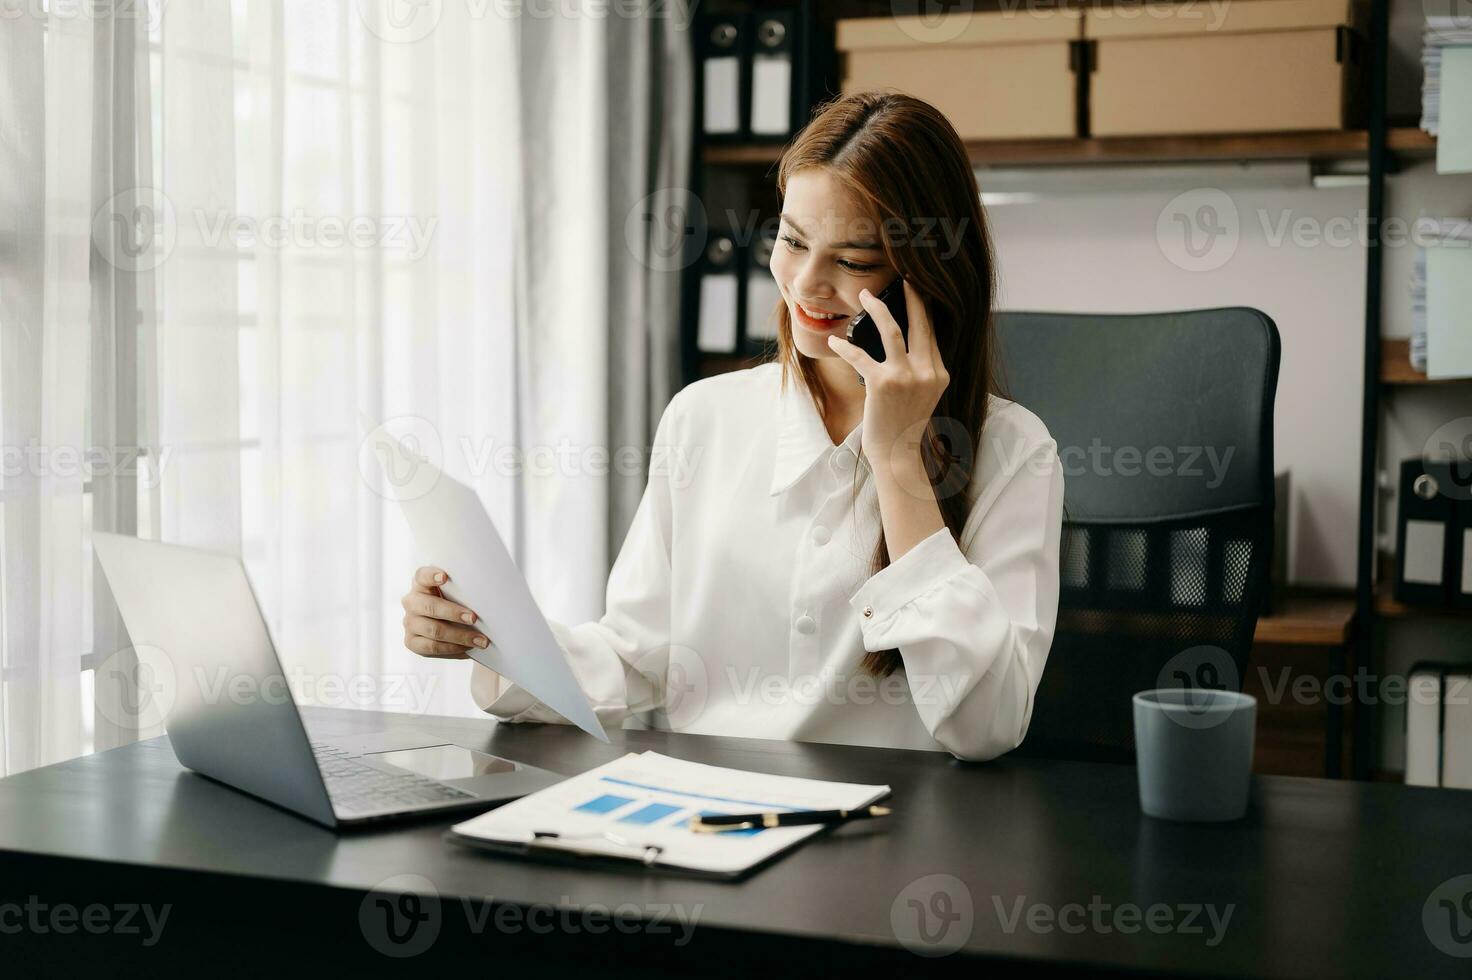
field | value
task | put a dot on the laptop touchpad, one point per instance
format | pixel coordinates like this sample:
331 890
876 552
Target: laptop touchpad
446 762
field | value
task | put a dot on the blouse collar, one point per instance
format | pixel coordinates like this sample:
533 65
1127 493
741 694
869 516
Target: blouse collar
802 439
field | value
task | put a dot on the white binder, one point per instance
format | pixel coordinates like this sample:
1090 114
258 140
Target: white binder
1439 726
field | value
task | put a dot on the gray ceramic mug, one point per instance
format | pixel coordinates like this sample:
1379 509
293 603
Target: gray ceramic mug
1193 751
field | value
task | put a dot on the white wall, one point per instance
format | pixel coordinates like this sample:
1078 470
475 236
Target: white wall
1100 252
1077 249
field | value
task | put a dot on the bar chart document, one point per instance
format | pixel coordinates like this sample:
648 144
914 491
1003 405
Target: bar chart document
638 807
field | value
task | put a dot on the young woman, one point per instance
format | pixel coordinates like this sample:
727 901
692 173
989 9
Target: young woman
833 548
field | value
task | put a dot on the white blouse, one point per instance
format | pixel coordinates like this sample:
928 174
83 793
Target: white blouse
742 603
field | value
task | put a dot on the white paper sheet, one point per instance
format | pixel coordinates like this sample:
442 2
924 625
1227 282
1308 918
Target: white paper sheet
1423 730
455 533
648 799
1424 544
717 329
771 95
722 95
1449 310
1454 130
762 295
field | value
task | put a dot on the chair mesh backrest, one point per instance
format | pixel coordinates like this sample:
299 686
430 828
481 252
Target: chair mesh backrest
1164 427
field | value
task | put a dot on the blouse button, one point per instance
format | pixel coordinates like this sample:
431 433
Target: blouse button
868 611
806 625
821 534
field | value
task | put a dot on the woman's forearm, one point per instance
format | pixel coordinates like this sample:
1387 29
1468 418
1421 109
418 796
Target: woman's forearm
907 505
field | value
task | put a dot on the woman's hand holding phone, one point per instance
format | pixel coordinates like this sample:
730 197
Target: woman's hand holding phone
433 625
904 388
864 334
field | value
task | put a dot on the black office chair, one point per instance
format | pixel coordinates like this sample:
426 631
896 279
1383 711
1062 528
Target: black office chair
1166 547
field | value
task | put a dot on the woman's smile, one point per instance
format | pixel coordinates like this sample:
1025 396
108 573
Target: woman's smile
817 319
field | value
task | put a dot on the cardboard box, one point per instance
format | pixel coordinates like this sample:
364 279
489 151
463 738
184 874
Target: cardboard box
1002 75
1242 66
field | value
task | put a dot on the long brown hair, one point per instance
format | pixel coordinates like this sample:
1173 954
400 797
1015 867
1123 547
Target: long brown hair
903 158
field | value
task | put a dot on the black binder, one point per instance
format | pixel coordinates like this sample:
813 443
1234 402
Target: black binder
719 304
723 57
1461 493
775 72
1430 526
761 294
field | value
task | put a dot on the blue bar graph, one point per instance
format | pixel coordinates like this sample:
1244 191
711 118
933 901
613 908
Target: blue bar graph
604 803
649 814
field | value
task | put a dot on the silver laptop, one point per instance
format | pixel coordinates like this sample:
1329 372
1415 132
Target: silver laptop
231 716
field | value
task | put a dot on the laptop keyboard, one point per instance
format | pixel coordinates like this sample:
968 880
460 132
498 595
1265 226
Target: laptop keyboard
358 788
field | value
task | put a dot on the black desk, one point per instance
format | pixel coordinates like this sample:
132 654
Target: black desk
1323 878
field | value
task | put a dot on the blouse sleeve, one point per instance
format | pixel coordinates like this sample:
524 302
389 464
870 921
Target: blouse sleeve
973 622
619 660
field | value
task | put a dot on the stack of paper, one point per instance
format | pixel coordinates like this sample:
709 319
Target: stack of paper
639 807
1441 301
1446 90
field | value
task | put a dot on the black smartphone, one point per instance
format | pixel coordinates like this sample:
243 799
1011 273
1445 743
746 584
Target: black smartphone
863 332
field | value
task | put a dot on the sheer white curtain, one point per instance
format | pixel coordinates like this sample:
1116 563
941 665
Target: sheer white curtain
44 296
302 214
